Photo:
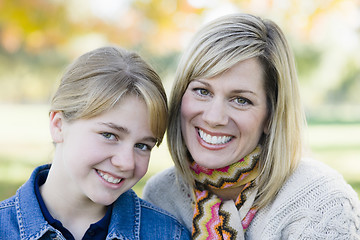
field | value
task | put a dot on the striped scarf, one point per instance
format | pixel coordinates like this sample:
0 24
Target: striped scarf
215 218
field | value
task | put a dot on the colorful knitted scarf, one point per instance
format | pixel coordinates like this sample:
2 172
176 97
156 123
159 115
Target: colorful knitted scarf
215 218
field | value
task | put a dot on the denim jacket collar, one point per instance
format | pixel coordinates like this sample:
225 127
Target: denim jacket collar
125 220
127 224
32 223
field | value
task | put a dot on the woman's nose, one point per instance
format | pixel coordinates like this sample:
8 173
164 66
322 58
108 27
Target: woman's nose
215 113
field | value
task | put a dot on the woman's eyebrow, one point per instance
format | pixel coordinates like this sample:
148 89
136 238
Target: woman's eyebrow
243 91
201 82
233 91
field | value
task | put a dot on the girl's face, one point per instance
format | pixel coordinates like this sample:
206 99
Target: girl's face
100 158
224 117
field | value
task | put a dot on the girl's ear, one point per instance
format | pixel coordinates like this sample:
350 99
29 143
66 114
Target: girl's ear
56 125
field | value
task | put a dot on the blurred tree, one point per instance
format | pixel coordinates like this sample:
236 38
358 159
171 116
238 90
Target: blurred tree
32 25
39 37
166 23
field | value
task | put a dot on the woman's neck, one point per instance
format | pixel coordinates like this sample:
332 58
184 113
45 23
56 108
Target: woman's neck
228 193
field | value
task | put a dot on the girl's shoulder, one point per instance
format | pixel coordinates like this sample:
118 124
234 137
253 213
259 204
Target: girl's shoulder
7 208
8 217
7 203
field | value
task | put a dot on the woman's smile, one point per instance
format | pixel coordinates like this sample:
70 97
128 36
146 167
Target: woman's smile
224 117
214 139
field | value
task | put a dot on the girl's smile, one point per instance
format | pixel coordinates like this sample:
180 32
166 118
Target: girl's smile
102 157
109 177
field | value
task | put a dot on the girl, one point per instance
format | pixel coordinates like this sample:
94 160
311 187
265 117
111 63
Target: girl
109 111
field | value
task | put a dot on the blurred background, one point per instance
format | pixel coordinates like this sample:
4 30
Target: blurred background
38 38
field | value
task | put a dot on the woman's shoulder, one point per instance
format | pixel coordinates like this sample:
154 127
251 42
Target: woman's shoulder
168 183
316 179
311 166
312 173
315 196
168 191
162 178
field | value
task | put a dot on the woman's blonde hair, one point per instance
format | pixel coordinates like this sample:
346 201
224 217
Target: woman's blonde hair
217 47
96 81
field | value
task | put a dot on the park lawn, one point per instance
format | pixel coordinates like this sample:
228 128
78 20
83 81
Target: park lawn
336 145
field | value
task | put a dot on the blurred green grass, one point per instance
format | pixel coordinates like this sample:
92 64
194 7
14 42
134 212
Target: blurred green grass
25 143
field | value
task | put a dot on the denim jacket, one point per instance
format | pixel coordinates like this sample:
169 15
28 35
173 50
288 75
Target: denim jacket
132 218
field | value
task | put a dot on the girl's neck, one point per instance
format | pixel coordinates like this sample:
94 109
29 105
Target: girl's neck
76 214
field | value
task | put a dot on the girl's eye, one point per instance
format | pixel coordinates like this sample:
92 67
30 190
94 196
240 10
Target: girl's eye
202 91
109 136
143 147
242 101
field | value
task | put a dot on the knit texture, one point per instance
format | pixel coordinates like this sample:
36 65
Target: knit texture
314 203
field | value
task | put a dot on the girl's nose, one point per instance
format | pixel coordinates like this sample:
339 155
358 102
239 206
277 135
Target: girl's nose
124 159
215 113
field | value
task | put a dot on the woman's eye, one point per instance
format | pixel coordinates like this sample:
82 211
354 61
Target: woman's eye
109 136
143 147
202 91
242 101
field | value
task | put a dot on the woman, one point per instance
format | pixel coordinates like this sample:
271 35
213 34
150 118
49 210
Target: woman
235 136
102 149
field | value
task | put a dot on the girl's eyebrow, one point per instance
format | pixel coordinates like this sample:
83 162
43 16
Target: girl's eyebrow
150 139
127 131
115 127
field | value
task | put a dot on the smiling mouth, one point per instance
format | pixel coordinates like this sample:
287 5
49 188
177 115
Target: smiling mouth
108 178
214 140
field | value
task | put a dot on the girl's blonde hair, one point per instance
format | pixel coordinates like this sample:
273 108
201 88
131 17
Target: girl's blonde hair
217 47
99 79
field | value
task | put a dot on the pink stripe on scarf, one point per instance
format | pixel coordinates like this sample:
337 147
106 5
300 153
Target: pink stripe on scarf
213 223
248 218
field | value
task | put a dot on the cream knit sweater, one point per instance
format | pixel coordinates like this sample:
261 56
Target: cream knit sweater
314 203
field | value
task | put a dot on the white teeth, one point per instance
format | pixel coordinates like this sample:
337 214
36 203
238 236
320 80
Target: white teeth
108 178
213 139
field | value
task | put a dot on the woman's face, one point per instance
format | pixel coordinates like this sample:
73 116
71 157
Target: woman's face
224 117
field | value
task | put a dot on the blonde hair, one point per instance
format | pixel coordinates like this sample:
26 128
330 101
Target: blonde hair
96 81
217 47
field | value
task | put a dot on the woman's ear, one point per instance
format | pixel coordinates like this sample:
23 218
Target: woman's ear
267 126
56 125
